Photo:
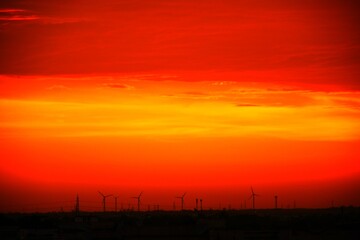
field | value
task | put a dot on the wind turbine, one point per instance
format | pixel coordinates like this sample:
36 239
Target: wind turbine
77 204
253 195
138 200
182 200
104 199
116 198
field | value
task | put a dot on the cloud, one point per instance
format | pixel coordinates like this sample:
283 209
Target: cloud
118 85
194 93
223 83
247 105
11 10
300 41
17 15
58 87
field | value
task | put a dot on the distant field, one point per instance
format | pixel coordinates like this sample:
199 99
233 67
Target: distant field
334 223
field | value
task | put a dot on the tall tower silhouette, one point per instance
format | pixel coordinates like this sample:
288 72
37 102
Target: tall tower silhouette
77 204
116 201
276 201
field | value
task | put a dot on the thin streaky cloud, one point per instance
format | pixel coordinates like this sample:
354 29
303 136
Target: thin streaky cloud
58 87
12 10
118 85
247 105
19 18
17 15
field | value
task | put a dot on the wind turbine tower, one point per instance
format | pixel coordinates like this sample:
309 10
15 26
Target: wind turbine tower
276 201
116 201
138 200
104 200
253 195
182 200
77 204
201 204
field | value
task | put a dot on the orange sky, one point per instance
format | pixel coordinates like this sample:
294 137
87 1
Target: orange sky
209 98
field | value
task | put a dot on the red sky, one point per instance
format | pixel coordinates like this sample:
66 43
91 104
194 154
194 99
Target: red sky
207 97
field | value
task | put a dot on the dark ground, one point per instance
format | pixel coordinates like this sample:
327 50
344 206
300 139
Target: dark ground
334 223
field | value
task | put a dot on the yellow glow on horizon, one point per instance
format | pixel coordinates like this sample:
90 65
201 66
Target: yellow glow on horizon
157 117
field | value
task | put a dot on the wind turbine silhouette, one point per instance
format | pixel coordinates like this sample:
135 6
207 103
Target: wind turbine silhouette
116 198
104 199
182 200
138 200
253 195
77 204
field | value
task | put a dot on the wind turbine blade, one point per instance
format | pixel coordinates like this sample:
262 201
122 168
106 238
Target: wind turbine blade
252 191
184 194
109 195
140 194
250 197
101 193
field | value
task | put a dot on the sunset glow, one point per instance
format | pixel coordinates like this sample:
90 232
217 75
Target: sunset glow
168 97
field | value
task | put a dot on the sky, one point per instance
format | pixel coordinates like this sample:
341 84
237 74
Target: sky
205 97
